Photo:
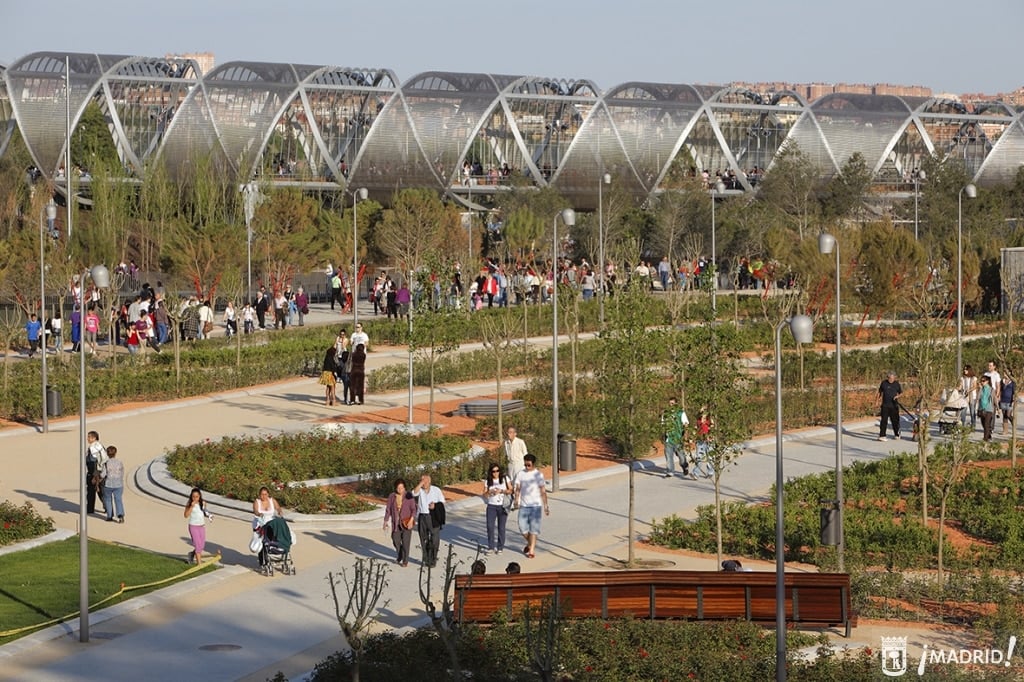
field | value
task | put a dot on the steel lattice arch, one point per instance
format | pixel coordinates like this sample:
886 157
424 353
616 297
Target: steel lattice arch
463 134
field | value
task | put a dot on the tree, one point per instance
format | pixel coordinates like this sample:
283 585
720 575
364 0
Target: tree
630 409
791 188
416 224
498 332
363 592
434 333
844 193
720 387
949 460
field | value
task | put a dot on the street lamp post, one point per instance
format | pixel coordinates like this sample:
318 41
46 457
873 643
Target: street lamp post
802 328
826 245
718 189
409 287
250 198
606 179
357 196
971 192
67 140
919 175
51 215
569 218
101 279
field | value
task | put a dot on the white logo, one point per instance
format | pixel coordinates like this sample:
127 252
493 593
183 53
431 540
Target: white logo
894 656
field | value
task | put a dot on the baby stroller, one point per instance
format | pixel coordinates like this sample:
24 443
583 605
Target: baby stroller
276 549
951 408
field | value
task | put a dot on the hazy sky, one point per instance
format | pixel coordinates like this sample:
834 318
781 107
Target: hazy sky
948 46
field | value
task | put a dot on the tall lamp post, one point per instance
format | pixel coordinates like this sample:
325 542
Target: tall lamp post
50 211
802 328
919 175
250 199
606 179
357 196
826 245
971 192
409 287
569 218
101 280
717 190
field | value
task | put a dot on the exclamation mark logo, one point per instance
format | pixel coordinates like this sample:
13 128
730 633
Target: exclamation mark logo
1009 649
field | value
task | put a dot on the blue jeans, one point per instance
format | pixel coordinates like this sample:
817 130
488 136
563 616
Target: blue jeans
112 497
162 333
670 458
497 517
701 465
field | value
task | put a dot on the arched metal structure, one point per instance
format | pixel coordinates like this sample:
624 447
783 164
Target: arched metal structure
467 134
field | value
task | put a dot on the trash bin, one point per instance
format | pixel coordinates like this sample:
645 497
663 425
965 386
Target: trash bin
831 533
53 402
566 452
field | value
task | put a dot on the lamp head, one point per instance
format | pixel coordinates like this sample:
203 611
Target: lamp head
971 191
568 217
921 175
826 243
719 187
802 328
607 178
51 210
100 276
362 193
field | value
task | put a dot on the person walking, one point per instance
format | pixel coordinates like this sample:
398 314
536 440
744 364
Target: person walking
515 451
497 491
428 497
95 470
531 497
674 422
302 305
402 511
701 463
357 375
889 392
33 329
1007 394
986 406
113 486
327 378
969 390
198 517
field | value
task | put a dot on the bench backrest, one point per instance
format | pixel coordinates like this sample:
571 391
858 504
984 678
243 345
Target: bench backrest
822 598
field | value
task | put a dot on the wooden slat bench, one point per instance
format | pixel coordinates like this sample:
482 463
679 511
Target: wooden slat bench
820 599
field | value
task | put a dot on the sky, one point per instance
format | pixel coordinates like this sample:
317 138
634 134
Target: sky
950 47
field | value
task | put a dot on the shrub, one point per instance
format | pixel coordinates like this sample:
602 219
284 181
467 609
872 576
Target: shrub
22 523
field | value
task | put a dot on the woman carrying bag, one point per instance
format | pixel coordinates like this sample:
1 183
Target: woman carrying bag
401 512
498 497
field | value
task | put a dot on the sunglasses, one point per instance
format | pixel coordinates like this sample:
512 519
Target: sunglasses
528 465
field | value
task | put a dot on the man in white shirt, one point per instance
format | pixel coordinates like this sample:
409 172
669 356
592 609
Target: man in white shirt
360 337
427 498
995 379
531 497
515 450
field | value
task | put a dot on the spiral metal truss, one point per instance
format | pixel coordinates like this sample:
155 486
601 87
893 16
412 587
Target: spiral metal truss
333 128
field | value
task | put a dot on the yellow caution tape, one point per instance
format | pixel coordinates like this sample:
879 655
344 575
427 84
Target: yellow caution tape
124 588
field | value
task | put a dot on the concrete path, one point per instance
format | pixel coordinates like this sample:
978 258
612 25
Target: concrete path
238 625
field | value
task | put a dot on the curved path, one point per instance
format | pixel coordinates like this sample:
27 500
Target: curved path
238 625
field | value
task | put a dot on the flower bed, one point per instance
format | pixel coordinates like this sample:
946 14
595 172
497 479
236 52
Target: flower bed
22 523
237 467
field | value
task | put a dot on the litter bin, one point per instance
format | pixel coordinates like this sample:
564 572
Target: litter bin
830 529
53 402
566 452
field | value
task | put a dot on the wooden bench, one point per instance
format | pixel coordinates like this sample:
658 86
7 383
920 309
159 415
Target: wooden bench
818 599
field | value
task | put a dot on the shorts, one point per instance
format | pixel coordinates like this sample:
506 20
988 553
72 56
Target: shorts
529 520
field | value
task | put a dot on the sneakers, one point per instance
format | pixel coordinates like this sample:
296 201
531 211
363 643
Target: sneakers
882 439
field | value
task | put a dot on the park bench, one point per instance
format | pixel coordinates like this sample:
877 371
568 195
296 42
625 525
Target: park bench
812 599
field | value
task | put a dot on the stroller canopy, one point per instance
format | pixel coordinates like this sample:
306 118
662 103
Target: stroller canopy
276 530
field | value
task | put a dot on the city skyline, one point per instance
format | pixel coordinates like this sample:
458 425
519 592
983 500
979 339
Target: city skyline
931 45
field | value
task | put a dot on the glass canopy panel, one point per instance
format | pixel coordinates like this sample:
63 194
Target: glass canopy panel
6 115
1005 160
906 157
37 93
343 104
245 100
860 123
192 137
143 100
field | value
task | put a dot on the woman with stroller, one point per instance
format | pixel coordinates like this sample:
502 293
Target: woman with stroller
497 489
195 512
401 511
264 508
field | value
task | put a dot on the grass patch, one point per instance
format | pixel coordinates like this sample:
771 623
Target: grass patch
41 584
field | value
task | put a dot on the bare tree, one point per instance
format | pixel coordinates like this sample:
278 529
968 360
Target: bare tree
499 333
362 593
442 616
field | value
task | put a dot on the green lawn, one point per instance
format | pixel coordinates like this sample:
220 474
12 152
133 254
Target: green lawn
41 584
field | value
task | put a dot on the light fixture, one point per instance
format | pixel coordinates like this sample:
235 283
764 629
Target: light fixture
568 217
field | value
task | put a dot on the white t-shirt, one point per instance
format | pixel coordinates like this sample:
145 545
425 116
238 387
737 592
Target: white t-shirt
530 483
427 496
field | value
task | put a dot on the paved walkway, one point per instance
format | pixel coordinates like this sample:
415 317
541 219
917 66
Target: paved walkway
238 625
